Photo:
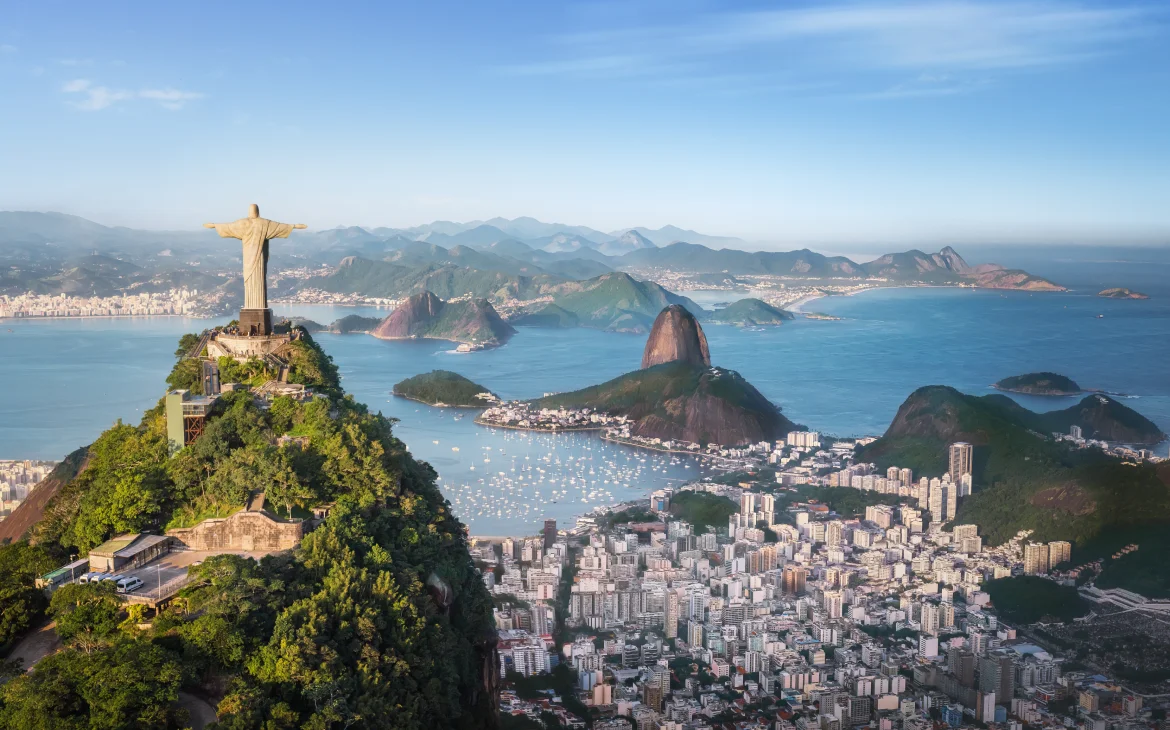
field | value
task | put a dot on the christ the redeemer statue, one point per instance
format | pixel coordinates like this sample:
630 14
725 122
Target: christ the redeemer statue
254 231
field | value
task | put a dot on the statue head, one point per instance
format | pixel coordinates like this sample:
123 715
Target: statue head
253 211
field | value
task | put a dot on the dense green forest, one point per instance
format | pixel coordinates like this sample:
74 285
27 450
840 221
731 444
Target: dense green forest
1022 480
442 386
702 509
378 619
1027 599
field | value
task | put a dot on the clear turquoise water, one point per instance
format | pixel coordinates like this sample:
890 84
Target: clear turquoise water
62 382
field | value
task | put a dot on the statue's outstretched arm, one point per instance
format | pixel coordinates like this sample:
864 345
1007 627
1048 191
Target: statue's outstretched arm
299 225
224 230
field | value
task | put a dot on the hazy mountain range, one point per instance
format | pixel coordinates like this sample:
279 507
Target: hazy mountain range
54 252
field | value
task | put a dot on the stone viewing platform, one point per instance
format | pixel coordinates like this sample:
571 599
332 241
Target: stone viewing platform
244 347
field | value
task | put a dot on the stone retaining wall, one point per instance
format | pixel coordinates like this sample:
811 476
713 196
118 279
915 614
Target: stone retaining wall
248 531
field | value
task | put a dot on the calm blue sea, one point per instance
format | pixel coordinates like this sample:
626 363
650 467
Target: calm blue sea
62 382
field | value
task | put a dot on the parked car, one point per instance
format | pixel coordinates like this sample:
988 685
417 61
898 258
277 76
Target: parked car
127 585
90 578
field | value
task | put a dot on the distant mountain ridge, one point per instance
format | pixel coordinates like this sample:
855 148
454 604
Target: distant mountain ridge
521 246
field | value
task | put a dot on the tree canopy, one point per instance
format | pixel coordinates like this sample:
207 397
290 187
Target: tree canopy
340 631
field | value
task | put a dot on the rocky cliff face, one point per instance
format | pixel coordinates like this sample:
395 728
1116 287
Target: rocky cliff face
721 408
676 336
473 322
411 318
684 402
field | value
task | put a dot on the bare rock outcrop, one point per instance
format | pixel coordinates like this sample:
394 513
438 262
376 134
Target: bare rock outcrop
676 336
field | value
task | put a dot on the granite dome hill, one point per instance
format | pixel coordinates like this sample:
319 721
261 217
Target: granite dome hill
678 396
1022 478
676 336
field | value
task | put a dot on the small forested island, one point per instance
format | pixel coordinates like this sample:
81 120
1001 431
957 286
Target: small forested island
750 312
1039 384
445 388
1121 292
353 324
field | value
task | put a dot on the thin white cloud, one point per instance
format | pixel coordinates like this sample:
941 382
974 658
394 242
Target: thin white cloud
862 38
6 48
169 98
96 98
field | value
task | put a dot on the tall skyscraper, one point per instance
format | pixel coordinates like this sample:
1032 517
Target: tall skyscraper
747 503
794 579
942 501
1059 552
1035 558
961 454
906 476
672 609
550 534
930 618
833 604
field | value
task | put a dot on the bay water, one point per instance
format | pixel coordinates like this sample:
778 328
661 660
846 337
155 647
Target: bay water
63 381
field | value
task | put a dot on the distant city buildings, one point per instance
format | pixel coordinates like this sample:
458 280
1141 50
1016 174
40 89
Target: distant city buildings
17 480
185 302
876 621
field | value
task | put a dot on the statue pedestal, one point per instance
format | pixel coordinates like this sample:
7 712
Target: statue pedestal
256 322
246 347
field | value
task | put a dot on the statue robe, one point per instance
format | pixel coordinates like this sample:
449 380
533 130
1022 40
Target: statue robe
255 232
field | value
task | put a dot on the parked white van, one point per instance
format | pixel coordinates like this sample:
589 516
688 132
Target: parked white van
126 585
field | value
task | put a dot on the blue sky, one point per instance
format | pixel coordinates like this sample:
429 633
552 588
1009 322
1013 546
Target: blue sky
903 121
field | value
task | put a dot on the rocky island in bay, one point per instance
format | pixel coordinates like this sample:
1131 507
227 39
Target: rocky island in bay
1121 292
750 313
471 322
1043 383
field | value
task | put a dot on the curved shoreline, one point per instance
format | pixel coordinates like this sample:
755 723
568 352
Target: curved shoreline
798 305
438 405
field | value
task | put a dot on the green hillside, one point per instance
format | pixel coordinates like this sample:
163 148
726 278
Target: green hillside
617 302
613 301
679 401
394 280
354 323
378 614
442 387
1022 480
549 315
750 312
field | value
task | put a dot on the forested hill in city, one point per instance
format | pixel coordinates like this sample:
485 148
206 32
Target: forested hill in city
378 618
37 247
1024 479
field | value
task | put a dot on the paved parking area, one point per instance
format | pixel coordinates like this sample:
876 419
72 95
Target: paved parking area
167 575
